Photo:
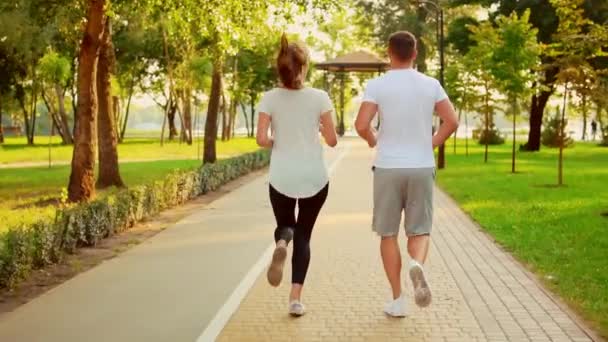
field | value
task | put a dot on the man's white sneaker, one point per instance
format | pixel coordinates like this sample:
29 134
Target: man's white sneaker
422 292
396 307
296 308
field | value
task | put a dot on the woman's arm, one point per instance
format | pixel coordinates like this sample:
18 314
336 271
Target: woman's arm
262 137
328 130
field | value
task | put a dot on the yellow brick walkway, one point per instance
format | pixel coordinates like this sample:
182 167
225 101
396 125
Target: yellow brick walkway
480 292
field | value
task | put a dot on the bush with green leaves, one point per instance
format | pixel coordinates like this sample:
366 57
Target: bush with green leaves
492 136
551 127
24 248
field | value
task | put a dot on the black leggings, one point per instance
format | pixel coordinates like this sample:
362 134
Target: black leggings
284 211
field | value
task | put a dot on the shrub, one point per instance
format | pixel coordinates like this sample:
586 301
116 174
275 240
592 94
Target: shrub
550 136
24 248
492 136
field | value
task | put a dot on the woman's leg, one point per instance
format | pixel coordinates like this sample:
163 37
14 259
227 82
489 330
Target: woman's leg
309 209
284 212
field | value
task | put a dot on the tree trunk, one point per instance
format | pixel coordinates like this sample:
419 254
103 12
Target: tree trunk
82 178
560 161
224 111
244 110
126 118
66 133
109 174
456 131
537 110
466 134
232 121
584 112
600 122
31 134
487 122
1 129
171 118
252 104
514 113
117 115
187 99
209 152
53 117
26 117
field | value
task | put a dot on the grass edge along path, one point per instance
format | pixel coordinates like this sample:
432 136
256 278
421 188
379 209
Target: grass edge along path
557 232
24 248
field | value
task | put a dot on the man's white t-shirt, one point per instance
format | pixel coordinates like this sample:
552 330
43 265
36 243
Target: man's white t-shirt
297 166
406 101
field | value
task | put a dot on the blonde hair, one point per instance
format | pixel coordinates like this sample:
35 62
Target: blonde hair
292 59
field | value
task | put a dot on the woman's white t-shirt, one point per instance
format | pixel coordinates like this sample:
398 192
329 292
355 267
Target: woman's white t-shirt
297 166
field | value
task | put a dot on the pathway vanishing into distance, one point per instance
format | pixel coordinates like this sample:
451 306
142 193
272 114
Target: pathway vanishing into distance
204 279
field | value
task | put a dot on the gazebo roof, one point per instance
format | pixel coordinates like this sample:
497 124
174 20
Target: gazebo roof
358 61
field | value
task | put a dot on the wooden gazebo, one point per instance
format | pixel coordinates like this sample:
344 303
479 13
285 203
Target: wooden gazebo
358 61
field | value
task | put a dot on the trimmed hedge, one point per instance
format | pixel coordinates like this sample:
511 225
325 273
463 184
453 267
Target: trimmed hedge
25 248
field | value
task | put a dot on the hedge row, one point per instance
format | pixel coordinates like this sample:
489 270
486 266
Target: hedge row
30 247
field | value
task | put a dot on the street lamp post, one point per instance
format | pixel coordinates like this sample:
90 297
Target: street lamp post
439 17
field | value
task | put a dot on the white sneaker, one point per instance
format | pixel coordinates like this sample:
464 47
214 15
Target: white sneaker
422 292
296 308
396 307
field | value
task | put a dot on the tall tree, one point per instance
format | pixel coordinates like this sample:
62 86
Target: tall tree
82 178
544 18
577 43
478 62
514 58
55 72
109 174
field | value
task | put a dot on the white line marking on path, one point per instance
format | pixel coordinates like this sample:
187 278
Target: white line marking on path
221 318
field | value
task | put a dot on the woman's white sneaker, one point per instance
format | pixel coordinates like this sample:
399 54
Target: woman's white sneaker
396 307
296 308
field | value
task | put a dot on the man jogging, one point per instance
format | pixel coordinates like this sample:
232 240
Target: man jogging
404 167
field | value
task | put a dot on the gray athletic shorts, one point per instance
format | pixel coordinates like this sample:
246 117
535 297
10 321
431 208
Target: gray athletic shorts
408 191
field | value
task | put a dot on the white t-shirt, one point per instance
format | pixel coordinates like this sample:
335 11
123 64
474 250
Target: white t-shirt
297 166
406 101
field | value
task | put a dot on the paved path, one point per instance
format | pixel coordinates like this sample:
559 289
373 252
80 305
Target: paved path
480 293
185 283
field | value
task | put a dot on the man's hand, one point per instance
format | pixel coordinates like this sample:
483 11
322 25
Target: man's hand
446 112
363 124
372 139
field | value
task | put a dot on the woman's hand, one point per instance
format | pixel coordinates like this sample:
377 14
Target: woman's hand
328 130
262 137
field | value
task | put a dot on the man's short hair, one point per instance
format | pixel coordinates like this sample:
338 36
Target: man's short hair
402 45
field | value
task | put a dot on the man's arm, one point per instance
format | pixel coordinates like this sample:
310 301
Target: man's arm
367 112
446 112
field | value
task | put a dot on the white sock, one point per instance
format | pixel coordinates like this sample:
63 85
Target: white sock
415 263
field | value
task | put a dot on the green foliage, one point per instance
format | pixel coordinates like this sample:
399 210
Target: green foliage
24 248
490 137
54 68
515 55
551 136
459 33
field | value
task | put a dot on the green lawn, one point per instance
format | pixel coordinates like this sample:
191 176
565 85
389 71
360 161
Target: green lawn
558 232
15 150
28 194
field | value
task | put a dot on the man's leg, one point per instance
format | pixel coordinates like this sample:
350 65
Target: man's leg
388 206
419 221
391 258
418 247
